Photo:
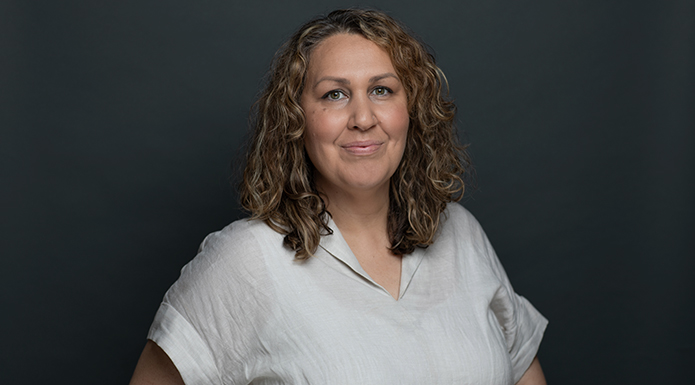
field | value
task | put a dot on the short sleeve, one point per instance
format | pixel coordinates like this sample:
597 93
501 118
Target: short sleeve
184 346
210 318
523 326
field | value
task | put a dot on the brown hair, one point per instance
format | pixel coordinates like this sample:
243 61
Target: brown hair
278 185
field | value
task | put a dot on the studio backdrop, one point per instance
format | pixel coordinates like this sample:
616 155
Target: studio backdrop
121 135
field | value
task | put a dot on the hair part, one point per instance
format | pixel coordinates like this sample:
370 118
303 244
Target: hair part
278 181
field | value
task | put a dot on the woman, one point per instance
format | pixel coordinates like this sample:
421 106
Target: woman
355 266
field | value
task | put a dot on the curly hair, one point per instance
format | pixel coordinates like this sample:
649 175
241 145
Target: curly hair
278 180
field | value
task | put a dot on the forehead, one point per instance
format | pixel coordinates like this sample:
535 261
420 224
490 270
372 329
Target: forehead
348 54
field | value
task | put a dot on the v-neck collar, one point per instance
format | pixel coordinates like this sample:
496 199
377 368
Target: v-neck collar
336 246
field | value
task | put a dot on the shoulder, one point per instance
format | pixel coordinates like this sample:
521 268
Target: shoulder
239 240
234 257
457 212
460 231
223 295
459 220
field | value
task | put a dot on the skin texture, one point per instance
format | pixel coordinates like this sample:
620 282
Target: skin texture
155 367
356 116
356 128
534 374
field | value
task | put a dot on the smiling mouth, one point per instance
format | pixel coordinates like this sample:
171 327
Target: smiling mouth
362 148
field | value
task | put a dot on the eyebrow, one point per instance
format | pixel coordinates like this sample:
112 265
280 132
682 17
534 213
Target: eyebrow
345 81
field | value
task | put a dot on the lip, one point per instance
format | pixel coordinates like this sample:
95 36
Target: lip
363 147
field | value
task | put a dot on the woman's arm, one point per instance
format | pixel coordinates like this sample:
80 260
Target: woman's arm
155 368
534 375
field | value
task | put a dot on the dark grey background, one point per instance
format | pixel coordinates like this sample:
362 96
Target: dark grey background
119 121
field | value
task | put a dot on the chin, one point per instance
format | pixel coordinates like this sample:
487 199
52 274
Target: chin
367 184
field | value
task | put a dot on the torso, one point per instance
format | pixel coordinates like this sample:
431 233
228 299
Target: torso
267 319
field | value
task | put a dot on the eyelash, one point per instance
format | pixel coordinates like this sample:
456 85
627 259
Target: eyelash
385 89
328 94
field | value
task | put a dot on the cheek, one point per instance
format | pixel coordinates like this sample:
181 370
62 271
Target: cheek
310 143
405 125
312 125
400 132
397 113
400 121
316 139
322 127
312 135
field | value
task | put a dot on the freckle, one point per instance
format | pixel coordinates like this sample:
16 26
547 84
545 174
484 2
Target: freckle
324 108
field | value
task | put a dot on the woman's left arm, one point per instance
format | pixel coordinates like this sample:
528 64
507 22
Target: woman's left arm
534 375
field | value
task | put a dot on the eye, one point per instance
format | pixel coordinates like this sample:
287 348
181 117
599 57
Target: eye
334 95
381 91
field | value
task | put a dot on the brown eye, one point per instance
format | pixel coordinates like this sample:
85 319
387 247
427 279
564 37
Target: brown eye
334 95
381 91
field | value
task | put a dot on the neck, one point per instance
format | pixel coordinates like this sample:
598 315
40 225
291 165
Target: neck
358 211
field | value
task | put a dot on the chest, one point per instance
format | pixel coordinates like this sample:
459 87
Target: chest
340 330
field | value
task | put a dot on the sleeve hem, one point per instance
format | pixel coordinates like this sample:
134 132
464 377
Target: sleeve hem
527 352
184 346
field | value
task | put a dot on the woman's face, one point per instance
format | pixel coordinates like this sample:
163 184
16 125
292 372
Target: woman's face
356 115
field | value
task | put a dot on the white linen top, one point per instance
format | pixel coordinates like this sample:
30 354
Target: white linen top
245 312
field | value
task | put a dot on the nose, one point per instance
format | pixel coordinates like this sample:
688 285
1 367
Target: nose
363 116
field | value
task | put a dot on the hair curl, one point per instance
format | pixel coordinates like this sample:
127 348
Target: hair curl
278 185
